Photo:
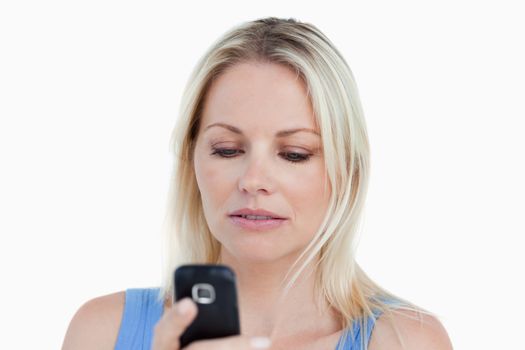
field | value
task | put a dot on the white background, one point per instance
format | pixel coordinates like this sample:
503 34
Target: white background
89 93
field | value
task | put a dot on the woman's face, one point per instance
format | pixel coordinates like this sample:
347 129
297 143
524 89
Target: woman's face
251 154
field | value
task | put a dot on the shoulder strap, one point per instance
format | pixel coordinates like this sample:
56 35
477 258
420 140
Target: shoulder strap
142 311
351 337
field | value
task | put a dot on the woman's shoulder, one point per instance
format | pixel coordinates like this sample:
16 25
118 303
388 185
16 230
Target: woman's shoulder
409 330
96 323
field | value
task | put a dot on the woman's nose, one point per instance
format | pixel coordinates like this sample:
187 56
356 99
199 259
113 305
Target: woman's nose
256 176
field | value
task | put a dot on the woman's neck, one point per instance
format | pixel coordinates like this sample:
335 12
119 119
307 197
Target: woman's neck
264 311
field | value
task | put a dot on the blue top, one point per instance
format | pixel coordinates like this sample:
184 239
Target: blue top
141 313
142 310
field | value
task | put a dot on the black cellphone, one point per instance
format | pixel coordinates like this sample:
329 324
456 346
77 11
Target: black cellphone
213 289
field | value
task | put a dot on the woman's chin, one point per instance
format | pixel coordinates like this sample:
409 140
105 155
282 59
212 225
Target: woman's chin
256 248
256 256
253 253
261 255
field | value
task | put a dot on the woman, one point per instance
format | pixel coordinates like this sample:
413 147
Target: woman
270 128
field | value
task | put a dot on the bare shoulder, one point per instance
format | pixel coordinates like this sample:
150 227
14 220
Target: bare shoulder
96 323
408 330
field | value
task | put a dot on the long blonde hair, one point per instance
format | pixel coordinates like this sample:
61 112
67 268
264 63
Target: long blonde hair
334 96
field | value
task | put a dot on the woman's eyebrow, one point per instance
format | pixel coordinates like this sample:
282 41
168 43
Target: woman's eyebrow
281 133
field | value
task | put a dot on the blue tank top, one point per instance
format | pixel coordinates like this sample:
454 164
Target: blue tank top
142 311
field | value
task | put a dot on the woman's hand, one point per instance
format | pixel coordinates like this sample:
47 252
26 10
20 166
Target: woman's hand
175 321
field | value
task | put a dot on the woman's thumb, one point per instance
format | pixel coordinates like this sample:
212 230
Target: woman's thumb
173 323
185 308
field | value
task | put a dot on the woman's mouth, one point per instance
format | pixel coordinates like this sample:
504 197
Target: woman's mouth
256 222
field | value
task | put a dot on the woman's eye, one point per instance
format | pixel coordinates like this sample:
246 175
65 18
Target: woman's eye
224 152
293 157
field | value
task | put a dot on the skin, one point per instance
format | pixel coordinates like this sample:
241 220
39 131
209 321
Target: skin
259 100
260 170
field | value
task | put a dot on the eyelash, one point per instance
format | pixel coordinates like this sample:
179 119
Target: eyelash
220 152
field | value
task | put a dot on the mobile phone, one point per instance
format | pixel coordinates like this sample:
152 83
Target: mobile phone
213 289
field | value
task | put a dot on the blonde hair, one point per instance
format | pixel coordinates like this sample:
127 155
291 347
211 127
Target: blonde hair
334 97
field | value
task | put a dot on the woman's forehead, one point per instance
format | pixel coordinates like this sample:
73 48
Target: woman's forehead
266 96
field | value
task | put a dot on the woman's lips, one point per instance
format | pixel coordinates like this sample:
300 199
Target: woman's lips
256 225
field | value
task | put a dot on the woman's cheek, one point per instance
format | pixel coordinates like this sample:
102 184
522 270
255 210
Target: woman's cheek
218 179
309 191
305 180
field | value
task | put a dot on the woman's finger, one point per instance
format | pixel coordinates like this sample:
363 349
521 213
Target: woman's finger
173 323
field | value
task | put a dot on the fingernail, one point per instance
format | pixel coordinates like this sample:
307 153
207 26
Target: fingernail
260 342
183 306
